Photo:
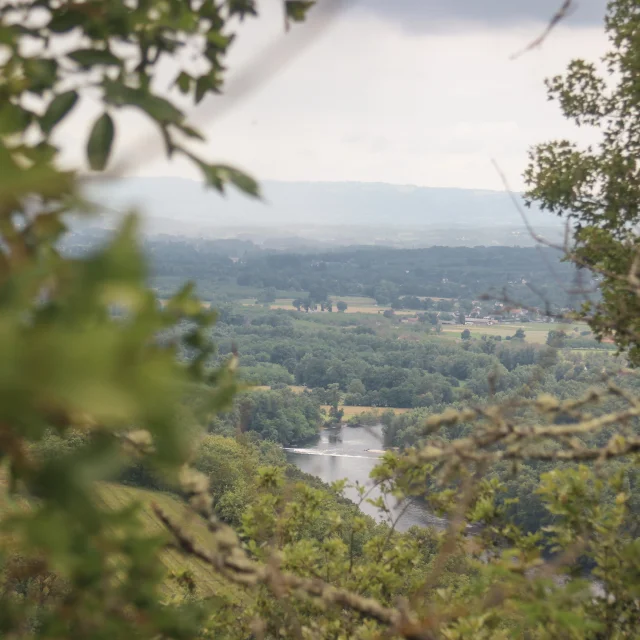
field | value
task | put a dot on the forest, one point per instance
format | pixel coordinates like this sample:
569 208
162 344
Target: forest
224 270
387 275
151 389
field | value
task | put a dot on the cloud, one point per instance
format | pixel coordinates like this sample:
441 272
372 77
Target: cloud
435 15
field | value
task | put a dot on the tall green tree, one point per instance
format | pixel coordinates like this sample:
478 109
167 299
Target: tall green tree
597 187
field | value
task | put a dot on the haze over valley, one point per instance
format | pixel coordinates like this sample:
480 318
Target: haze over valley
295 214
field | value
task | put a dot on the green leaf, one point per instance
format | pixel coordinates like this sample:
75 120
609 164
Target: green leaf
58 108
63 21
41 74
216 175
296 10
212 177
184 82
7 35
241 180
203 84
156 107
100 141
190 132
241 8
91 57
13 119
219 40
160 109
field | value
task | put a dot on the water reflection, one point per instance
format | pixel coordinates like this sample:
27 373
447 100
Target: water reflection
345 452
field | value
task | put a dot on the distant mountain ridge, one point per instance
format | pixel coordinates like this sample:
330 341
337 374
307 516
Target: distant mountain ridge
316 204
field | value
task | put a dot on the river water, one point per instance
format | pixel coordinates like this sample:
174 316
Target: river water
341 452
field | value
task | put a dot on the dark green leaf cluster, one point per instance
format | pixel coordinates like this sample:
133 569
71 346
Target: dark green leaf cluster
597 188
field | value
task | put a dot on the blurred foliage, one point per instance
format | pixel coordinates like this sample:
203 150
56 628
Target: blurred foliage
82 338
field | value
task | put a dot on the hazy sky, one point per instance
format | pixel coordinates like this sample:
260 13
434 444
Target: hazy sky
403 91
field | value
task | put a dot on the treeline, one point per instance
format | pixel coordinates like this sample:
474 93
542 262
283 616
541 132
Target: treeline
391 276
278 415
374 369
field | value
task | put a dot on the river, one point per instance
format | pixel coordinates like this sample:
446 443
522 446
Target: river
341 452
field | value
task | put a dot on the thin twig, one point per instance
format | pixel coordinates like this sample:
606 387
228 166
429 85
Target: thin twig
564 11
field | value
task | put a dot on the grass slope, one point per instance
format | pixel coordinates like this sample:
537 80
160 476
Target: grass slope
117 496
209 583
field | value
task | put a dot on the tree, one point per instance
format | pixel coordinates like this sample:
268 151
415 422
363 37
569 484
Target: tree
488 343
461 318
556 338
597 188
466 334
431 317
466 305
318 293
267 295
297 303
519 334
341 305
333 398
356 387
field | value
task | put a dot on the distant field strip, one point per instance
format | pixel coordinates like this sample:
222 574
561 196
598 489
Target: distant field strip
355 304
535 332
292 387
349 411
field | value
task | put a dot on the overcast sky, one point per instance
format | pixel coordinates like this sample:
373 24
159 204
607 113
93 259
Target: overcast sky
403 91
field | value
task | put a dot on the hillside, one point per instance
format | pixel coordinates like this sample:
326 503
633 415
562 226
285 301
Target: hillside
329 212
118 496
